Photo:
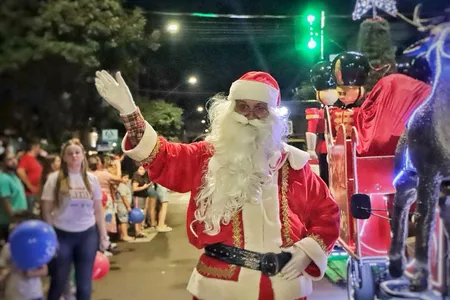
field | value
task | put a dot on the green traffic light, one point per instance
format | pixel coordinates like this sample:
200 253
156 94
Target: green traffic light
312 44
311 18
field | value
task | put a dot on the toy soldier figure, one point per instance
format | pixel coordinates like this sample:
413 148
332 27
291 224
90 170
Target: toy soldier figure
350 70
323 82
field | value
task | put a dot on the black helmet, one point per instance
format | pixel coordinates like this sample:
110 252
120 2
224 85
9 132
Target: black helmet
350 68
322 77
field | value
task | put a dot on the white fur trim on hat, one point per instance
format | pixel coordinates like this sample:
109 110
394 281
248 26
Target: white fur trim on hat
253 90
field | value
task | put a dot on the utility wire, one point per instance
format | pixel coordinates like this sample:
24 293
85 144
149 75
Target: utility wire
234 16
150 91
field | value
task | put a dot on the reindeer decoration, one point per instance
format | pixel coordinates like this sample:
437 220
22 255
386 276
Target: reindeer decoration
422 161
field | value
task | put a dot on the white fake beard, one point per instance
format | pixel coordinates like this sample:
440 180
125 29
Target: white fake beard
240 166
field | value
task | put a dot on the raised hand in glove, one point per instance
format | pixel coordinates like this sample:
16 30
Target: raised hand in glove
297 265
115 92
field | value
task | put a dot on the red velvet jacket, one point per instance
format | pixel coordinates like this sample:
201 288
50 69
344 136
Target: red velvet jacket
296 210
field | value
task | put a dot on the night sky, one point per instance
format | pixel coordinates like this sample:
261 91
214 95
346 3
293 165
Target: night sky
219 50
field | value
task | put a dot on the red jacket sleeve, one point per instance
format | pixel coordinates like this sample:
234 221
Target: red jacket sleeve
172 165
320 215
312 117
176 165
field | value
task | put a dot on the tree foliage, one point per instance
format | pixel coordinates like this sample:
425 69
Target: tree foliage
165 117
305 91
81 32
374 41
49 51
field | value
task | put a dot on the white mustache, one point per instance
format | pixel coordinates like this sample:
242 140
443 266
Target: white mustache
244 121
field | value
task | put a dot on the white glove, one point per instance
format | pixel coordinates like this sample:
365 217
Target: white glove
104 243
312 154
297 265
116 93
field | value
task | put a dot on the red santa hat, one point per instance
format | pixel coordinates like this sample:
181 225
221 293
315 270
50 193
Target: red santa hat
260 86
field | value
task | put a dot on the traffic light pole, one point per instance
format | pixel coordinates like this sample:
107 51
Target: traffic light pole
322 26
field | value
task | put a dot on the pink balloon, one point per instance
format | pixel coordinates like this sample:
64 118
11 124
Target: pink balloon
101 266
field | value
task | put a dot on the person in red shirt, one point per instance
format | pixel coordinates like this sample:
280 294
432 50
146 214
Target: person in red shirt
29 171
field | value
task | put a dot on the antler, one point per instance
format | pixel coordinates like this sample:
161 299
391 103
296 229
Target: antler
418 22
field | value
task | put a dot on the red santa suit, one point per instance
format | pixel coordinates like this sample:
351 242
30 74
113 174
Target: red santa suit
296 210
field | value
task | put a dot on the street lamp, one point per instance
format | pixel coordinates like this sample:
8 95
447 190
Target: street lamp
199 108
192 80
173 27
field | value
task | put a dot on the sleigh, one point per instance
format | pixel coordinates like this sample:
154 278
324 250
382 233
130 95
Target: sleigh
362 187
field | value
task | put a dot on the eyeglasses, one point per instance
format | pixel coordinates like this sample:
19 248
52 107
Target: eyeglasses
260 111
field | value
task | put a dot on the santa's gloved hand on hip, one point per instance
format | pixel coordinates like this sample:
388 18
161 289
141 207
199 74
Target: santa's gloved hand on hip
296 265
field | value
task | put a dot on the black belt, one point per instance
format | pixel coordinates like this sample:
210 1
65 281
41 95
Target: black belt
321 136
270 264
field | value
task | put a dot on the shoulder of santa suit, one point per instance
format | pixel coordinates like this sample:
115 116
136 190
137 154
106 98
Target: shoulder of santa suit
296 157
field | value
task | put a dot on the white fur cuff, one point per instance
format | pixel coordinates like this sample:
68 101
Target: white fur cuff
296 157
145 146
317 255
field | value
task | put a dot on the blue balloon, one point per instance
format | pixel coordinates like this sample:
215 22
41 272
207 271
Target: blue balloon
136 215
108 218
33 244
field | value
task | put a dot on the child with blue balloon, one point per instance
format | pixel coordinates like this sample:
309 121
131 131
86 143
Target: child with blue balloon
21 262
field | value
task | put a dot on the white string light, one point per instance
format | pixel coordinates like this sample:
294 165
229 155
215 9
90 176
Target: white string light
363 6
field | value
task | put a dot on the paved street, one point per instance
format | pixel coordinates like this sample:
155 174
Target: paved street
160 268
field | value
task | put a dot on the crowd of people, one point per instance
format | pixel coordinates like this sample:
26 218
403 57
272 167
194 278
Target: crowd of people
86 199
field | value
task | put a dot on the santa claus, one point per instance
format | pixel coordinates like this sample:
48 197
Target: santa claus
266 222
